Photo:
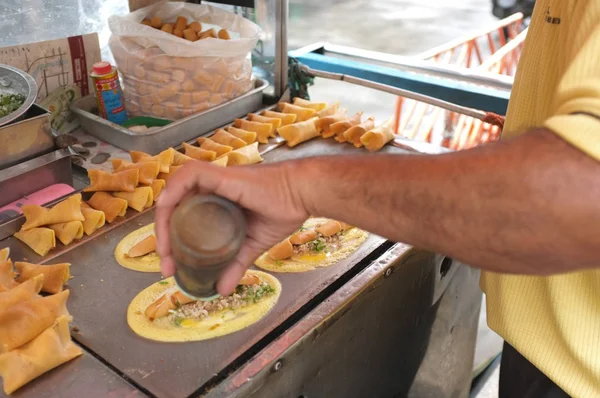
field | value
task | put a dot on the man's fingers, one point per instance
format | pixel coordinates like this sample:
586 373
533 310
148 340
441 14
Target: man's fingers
167 266
232 275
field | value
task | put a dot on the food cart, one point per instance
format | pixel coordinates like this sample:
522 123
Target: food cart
390 320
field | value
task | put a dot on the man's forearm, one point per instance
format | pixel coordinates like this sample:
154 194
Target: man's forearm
528 205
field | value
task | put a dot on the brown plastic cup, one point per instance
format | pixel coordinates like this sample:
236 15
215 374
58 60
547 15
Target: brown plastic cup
206 234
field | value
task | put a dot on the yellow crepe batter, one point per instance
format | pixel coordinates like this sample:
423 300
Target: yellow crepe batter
147 263
217 324
349 242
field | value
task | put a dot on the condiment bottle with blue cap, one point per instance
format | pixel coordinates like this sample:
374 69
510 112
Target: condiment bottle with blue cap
206 233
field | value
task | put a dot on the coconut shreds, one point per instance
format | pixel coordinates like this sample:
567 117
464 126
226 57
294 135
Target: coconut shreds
243 296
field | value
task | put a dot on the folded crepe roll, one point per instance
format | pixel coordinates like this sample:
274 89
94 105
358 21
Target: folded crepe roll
375 139
329 111
222 161
94 219
286 118
302 114
125 180
210 145
50 349
166 176
4 254
21 323
40 240
249 137
199 153
324 124
317 106
21 293
353 134
224 138
281 251
67 210
140 199
111 207
157 187
7 276
276 122
165 158
179 159
67 232
148 170
244 156
337 129
297 133
55 276
263 130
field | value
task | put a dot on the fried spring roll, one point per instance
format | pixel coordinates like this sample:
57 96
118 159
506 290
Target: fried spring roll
224 138
276 122
302 114
337 129
317 106
353 134
375 139
67 210
125 180
329 111
297 133
244 156
148 170
324 124
249 137
55 276
40 240
221 162
165 158
286 118
210 145
263 130
179 159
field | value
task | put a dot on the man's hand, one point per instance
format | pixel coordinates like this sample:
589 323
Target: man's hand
273 210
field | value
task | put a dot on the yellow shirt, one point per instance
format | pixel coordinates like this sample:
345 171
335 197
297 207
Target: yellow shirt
555 321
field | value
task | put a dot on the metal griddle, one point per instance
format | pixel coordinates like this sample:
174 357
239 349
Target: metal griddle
101 291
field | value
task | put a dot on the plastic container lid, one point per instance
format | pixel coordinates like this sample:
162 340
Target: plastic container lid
102 68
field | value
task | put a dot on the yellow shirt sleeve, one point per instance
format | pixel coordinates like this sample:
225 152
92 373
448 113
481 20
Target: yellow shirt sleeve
576 115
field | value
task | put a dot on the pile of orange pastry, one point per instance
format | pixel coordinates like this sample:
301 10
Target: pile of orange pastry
34 330
180 28
304 120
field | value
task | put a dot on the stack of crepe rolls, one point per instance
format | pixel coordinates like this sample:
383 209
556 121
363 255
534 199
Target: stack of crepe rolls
34 330
162 312
308 120
66 221
319 243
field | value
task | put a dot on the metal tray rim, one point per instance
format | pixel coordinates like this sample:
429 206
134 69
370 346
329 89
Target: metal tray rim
260 85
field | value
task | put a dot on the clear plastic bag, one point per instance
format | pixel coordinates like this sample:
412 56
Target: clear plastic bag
170 77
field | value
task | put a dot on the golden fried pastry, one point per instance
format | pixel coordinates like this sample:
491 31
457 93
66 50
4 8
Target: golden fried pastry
40 240
302 114
157 187
244 156
208 33
196 26
210 145
276 122
166 176
317 106
7 276
286 118
21 293
148 170
156 22
167 28
297 133
224 138
224 34
67 232
125 180
337 129
353 134
4 254
179 159
263 130
25 321
141 198
165 158
190 35
222 161
249 137
375 139
94 219
50 349
324 124
55 275
111 207
329 111
181 23
67 210
199 153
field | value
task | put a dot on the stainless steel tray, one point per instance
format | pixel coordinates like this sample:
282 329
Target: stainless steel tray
173 134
